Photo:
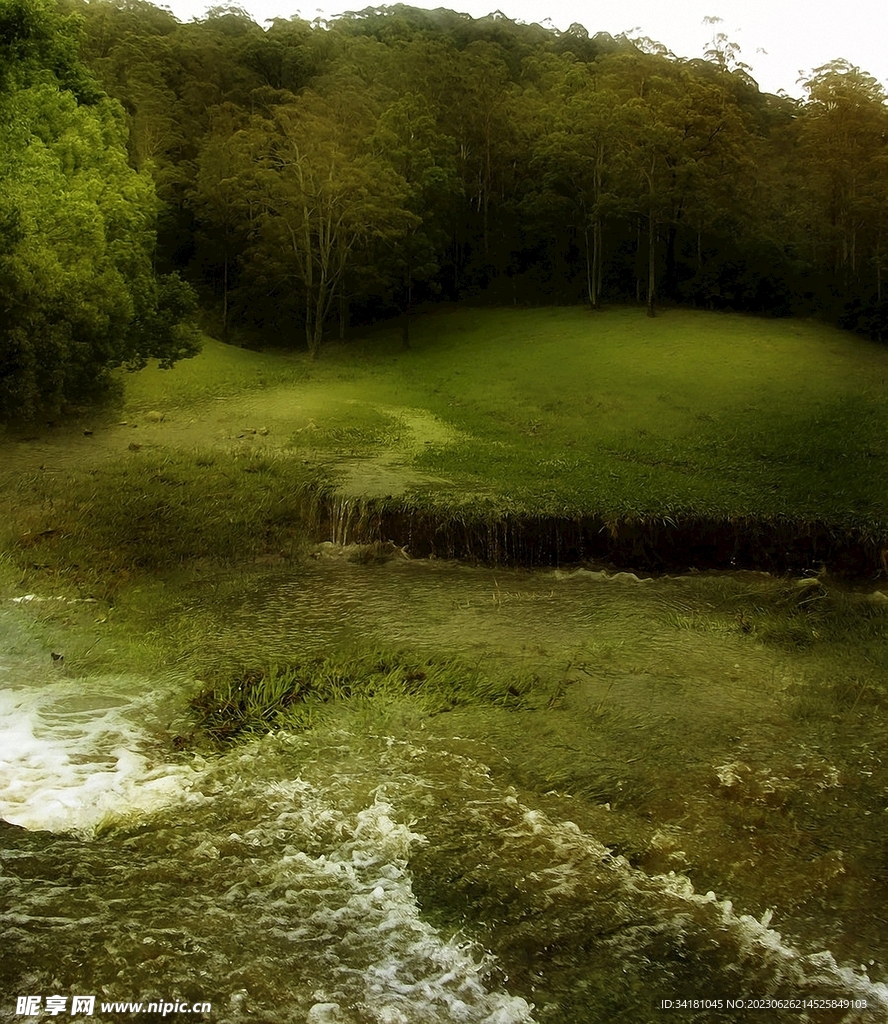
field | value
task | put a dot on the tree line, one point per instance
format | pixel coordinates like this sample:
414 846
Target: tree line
304 176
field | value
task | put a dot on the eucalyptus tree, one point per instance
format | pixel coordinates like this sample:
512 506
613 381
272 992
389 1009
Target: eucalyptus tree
318 194
843 132
284 56
131 48
355 159
684 156
170 78
408 139
651 148
217 200
478 118
578 135
38 42
716 169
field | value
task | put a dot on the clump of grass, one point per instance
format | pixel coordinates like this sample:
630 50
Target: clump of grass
256 699
806 613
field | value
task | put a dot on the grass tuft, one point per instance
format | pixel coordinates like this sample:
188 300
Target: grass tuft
297 696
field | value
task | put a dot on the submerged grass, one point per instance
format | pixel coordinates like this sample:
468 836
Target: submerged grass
299 695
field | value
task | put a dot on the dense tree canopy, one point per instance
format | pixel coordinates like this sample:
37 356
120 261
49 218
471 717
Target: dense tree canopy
78 293
307 173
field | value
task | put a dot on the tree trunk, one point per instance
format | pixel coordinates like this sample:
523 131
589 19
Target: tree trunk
652 267
590 292
593 260
638 260
596 260
309 333
597 235
343 314
225 297
405 322
314 320
670 281
486 193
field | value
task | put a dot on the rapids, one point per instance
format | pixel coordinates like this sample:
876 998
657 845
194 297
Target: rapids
651 825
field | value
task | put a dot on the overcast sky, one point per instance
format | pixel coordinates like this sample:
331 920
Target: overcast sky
779 39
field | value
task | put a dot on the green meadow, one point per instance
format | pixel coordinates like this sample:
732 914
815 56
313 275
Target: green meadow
561 411
510 411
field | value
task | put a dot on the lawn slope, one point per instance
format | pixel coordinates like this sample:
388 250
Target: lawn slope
557 416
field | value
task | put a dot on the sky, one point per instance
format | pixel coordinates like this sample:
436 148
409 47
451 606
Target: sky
780 39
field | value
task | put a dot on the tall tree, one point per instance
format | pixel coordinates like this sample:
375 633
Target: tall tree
78 291
407 137
652 144
218 202
844 136
318 200
577 146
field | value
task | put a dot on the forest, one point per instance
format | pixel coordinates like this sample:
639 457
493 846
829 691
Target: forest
300 178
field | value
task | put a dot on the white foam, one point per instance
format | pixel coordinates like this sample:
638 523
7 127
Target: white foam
65 769
416 973
753 940
380 953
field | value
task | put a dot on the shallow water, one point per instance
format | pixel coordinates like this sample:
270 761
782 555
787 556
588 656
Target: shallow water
659 821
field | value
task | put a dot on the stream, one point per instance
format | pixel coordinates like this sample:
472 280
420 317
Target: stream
663 830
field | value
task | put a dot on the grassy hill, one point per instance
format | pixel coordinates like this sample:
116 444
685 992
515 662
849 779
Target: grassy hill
692 416
561 410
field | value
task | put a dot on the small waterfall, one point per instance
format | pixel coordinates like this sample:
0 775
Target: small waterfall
342 513
670 545
353 521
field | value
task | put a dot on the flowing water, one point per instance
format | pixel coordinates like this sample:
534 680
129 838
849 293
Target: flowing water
669 815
